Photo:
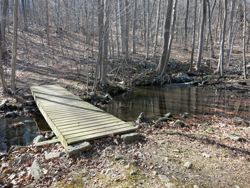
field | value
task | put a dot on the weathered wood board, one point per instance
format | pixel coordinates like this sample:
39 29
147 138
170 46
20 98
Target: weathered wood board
72 119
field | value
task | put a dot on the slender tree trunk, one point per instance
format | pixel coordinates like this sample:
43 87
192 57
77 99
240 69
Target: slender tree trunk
148 25
230 29
100 25
14 48
157 26
173 18
122 25
166 37
186 23
126 30
24 16
194 34
117 32
244 42
47 21
201 41
221 58
212 55
105 43
5 7
4 85
134 27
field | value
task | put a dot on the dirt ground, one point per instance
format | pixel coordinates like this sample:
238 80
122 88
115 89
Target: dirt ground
162 148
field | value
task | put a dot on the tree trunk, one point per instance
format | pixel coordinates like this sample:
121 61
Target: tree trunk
212 55
221 58
4 85
201 41
47 21
24 16
194 34
157 26
173 18
186 23
166 37
122 25
5 7
117 32
244 42
100 25
105 43
14 48
134 27
230 29
126 30
148 25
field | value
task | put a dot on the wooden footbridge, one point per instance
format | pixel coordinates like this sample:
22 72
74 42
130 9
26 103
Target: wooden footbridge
72 119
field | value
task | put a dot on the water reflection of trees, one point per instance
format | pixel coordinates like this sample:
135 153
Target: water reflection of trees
157 101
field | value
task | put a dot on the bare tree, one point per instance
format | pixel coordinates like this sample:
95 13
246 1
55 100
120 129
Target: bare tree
134 27
24 16
194 33
157 26
201 40
122 25
148 25
244 41
212 55
221 57
186 23
4 85
14 48
166 37
5 6
173 17
47 21
105 43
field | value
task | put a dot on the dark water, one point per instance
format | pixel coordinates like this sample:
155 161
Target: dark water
21 135
155 101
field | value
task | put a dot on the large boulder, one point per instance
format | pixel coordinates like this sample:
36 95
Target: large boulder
181 78
129 137
77 149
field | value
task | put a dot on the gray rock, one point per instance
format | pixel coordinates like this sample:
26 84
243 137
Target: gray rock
181 78
139 154
196 186
154 173
165 119
30 102
185 115
172 64
20 160
108 97
140 118
167 159
110 148
179 123
77 149
151 65
168 115
52 155
170 185
123 162
188 165
163 178
92 94
36 170
129 137
29 96
240 121
133 173
234 137
161 142
119 157
39 138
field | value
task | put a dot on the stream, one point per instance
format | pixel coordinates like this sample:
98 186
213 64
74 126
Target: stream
154 101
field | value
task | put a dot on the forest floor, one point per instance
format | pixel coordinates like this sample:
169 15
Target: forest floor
157 157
